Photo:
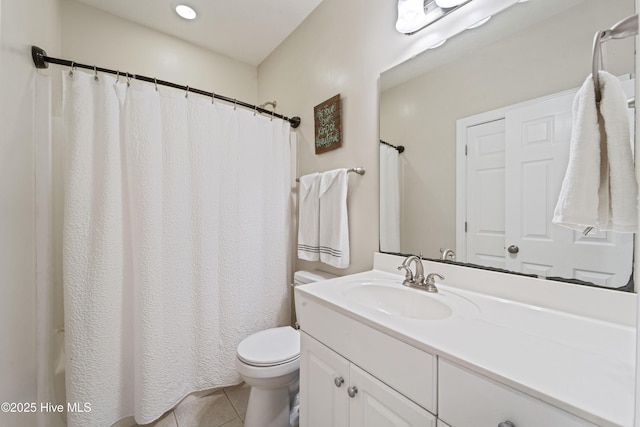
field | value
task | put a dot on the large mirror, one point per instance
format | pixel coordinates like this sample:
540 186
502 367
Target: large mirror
488 91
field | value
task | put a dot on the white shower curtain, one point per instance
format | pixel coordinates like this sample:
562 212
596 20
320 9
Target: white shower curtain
176 243
389 199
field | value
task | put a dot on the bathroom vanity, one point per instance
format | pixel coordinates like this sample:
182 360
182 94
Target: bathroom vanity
487 350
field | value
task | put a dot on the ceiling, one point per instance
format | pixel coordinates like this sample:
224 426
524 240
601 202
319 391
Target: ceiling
245 30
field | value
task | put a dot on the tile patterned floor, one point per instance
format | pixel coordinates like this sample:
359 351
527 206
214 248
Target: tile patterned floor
224 408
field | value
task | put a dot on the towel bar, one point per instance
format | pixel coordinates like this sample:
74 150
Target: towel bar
359 171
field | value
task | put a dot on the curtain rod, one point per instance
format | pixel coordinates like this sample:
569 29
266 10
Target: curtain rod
400 148
41 60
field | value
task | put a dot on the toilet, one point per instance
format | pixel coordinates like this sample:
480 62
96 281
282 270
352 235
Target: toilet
269 362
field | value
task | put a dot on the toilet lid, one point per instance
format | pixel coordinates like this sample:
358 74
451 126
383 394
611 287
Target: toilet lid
270 347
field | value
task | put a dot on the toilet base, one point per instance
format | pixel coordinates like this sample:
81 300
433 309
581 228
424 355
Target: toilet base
268 408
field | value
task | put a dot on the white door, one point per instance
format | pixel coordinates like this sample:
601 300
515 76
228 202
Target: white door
324 378
509 209
375 404
537 153
485 221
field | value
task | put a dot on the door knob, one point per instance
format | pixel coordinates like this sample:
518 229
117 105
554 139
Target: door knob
351 391
513 249
338 381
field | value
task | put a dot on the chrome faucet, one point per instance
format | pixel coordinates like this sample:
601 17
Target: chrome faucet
410 279
418 280
448 254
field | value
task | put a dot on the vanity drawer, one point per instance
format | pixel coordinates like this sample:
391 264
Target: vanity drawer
410 371
467 399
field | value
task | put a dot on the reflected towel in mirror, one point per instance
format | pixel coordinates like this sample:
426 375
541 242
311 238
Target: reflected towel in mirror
599 188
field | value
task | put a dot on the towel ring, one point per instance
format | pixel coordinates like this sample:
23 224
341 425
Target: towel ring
597 63
625 28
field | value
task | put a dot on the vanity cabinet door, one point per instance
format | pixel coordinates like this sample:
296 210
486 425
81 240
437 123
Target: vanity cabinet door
467 399
336 393
324 379
374 404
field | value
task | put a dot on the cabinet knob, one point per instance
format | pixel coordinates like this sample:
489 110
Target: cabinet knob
351 391
338 381
506 424
513 249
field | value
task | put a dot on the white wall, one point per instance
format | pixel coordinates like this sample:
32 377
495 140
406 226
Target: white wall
92 36
22 23
341 48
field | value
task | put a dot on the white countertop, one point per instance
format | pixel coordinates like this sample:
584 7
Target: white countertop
580 364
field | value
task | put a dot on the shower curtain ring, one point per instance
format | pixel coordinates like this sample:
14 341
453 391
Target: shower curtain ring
235 103
72 68
255 110
117 76
272 113
95 70
128 80
186 94
155 81
213 97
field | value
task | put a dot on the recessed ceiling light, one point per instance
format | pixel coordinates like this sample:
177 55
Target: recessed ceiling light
185 11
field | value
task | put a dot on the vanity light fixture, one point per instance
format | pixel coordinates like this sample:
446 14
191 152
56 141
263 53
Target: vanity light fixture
414 15
445 4
186 12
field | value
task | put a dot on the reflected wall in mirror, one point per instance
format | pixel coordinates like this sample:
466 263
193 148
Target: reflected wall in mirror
531 54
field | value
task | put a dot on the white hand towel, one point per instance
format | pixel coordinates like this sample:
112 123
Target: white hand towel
622 190
308 220
599 188
334 223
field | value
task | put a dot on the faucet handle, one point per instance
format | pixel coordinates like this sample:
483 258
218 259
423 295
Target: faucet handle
408 277
430 282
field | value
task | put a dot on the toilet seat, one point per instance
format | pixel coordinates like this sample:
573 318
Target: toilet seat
270 347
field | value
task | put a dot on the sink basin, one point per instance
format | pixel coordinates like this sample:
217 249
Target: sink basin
399 301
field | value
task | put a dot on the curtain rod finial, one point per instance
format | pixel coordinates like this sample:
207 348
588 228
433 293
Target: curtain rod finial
295 121
38 55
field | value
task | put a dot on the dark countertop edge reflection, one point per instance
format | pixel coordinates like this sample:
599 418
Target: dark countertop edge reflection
629 287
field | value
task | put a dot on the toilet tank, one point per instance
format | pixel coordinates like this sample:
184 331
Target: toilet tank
301 277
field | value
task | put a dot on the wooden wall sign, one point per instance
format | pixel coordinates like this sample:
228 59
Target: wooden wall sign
328 120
